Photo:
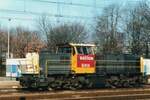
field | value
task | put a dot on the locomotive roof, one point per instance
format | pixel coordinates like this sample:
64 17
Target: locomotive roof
82 44
76 44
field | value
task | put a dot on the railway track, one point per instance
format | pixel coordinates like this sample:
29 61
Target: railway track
93 94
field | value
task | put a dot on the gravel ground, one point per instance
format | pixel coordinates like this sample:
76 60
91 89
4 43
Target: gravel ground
7 79
8 83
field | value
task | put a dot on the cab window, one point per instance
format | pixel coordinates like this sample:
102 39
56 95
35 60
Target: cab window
64 50
84 50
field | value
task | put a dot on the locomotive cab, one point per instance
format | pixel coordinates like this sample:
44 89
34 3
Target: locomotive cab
82 57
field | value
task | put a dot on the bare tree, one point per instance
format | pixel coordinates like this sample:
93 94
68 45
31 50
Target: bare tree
139 29
23 41
3 50
107 33
44 26
3 41
63 33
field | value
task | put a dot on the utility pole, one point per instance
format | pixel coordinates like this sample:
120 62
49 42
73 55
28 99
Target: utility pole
58 11
8 38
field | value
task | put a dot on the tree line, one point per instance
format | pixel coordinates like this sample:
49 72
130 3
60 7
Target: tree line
124 30
116 30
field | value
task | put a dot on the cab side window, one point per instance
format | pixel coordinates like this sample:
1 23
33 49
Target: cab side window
80 50
64 50
73 51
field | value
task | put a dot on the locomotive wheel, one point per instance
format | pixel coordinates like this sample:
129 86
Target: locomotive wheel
75 84
88 84
126 84
55 84
71 83
107 84
72 87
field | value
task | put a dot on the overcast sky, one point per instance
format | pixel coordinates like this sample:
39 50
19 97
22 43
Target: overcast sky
27 12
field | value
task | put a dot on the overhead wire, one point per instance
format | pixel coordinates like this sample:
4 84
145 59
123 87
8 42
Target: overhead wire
63 3
58 15
48 14
36 13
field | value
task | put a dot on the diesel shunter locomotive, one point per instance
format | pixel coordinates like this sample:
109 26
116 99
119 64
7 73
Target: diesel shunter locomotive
75 66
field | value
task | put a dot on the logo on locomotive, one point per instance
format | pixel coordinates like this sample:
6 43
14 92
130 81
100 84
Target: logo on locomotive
85 61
